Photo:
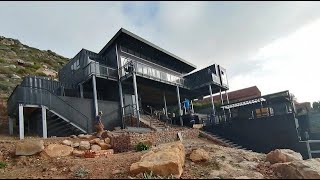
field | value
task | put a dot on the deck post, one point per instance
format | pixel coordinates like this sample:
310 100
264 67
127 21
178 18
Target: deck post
165 103
21 122
10 125
179 104
222 103
81 90
95 99
212 103
121 103
134 78
44 122
228 102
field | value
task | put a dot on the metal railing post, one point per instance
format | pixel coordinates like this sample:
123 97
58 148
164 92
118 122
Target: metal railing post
308 148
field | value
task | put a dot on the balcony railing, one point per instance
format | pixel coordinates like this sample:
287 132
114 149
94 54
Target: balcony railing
100 70
150 72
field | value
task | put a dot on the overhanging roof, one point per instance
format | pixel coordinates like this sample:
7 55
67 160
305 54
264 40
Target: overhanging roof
192 66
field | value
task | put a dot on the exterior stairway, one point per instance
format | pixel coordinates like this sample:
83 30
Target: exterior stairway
226 141
156 124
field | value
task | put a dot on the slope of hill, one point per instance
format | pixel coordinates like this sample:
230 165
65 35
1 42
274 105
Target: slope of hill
18 60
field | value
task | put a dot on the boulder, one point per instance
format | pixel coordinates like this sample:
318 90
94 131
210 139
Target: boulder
58 150
105 146
282 156
164 160
87 136
303 169
14 76
73 137
78 153
199 155
84 145
27 148
67 142
75 145
107 140
95 148
94 141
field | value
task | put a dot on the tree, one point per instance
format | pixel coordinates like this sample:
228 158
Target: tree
316 105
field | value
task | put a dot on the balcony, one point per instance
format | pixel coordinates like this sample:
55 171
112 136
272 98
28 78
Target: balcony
100 71
150 72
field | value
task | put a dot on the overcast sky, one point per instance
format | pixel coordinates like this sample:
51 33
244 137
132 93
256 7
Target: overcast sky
273 45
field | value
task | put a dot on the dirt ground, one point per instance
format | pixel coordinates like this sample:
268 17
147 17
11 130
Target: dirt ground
223 163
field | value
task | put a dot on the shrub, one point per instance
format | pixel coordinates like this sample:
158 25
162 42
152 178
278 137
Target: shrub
142 147
36 66
81 172
3 165
4 86
152 176
4 70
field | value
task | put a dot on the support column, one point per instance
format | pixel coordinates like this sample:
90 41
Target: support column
222 103
21 122
212 103
10 125
228 102
95 99
136 96
179 104
81 90
121 103
165 104
44 122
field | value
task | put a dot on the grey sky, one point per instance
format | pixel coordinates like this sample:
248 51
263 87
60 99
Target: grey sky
227 33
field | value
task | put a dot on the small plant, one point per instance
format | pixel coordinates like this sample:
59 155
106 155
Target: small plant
200 135
81 172
3 165
152 176
142 147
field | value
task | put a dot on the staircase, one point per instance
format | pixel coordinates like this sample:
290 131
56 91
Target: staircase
228 142
57 126
156 124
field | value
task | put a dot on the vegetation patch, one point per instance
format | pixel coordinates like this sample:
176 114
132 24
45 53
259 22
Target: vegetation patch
142 147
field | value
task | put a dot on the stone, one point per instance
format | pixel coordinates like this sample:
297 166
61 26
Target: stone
104 152
94 141
27 148
73 137
303 169
164 160
77 153
12 66
248 165
107 140
95 148
58 150
105 146
217 174
87 136
84 145
67 142
199 155
75 145
117 171
53 169
282 156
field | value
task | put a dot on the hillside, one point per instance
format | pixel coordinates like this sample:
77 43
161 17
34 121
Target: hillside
18 60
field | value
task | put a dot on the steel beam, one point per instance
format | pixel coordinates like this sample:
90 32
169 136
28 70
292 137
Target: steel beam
81 90
212 102
121 103
165 103
136 96
10 125
21 122
95 99
44 122
179 104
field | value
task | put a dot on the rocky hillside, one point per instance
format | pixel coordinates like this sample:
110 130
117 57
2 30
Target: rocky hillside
18 60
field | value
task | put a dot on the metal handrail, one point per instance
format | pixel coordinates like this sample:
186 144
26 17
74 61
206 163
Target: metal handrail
49 102
309 149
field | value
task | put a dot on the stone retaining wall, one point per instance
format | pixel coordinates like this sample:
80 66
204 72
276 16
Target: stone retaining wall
126 141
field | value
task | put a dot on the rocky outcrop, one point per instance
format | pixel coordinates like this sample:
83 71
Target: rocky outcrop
77 153
283 155
27 148
199 155
67 142
303 169
95 148
164 160
58 150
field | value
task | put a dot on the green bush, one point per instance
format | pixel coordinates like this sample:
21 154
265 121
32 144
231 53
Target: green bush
4 70
40 74
142 147
152 176
81 172
36 66
4 86
3 165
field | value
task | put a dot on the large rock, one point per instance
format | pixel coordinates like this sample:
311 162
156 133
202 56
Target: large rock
58 150
84 145
27 148
282 156
87 136
75 145
105 146
303 169
95 148
67 142
78 153
199 155
94 141
164 160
